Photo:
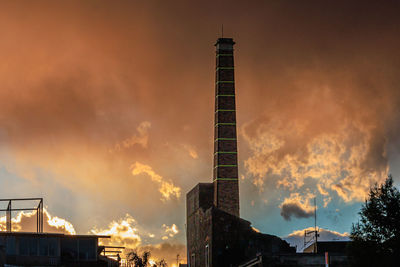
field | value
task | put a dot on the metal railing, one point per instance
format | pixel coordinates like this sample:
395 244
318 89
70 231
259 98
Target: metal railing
10 209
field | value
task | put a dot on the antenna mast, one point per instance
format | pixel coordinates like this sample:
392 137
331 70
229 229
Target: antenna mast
315 224
315 213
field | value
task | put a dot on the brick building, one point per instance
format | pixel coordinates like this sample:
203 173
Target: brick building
216 235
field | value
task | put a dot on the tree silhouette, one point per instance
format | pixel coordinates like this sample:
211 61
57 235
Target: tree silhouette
134 258
161 263
376 236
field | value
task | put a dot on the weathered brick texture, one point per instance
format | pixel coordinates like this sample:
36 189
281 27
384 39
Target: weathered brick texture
226 186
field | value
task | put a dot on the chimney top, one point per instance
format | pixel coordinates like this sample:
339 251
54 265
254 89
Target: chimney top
224 44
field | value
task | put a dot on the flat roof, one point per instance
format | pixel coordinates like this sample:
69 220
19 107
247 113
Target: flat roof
3 233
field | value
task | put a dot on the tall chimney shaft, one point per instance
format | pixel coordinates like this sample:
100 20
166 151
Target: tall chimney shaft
225 177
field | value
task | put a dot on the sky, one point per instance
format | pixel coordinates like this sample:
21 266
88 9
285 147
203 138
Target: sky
106 111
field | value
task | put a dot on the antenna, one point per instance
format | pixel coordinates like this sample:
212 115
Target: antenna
310 233
315 224
315 213
222 30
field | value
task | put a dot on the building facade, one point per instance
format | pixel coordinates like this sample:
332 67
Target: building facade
48 249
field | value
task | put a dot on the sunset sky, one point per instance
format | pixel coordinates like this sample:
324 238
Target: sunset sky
106 111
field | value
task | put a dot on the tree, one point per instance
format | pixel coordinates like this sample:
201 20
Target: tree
137 260
161 263
134 258
376 236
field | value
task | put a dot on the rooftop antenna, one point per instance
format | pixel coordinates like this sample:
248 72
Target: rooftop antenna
315 224
222 30
314 232
315 213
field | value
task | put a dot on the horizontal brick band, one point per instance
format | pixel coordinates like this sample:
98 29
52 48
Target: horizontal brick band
226 179
225 82
224 95
224 110
224 68
226 123
224 139
225 166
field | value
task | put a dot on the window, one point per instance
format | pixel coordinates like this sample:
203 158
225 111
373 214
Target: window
28 246
43 246
207 255
23 246
33 246
193 260
11 244
69 249
53 246
87 249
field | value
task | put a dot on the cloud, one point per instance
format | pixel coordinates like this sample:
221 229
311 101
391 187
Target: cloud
167 189
26 222
128 233
192 152
296 238
123 232
346 159
171 231
141 139
297 206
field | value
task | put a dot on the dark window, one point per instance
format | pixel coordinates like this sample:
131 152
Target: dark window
207 254
33 246
87 249
193 260
23 246
69 249
43 247
52 242
11 244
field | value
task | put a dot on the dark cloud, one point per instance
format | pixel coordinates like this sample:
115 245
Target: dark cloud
296 210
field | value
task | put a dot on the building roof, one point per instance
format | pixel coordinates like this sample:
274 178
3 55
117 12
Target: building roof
3 233
329 246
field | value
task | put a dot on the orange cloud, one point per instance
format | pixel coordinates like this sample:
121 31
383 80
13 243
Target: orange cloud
126 232
191 150
167 189
171 231
123 232
141 139
346 159
26 222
